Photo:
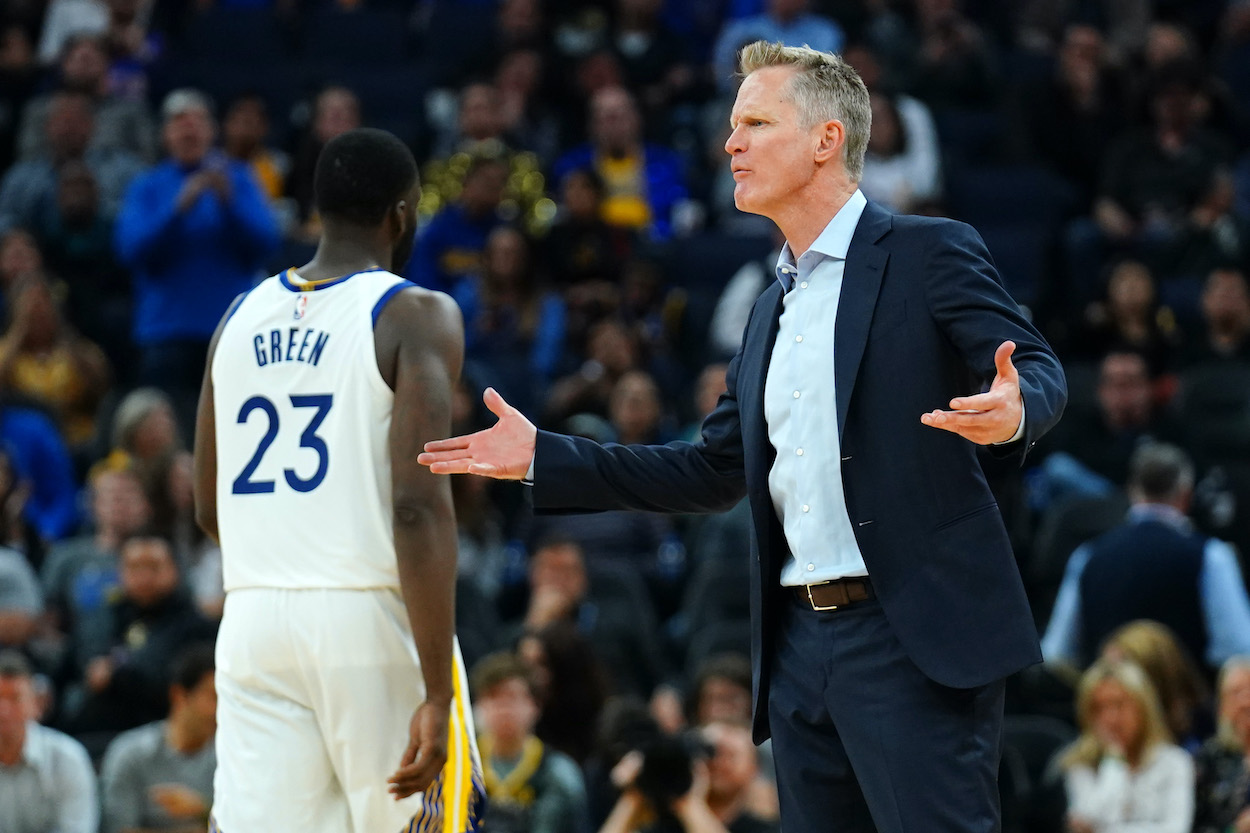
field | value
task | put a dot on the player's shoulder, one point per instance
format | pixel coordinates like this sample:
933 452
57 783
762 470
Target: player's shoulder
407 303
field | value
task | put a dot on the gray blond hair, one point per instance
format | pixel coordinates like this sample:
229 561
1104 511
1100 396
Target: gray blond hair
824 88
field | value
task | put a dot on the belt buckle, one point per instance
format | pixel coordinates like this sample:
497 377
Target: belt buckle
812 601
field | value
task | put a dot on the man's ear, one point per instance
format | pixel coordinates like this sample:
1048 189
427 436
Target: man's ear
831 140
399 214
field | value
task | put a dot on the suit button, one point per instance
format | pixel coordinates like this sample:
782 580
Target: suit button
811 567
799 339
799 452
806 508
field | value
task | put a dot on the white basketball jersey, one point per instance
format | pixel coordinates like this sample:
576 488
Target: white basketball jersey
303 415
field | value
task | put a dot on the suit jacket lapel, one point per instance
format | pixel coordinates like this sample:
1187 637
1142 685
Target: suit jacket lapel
861 281
755 361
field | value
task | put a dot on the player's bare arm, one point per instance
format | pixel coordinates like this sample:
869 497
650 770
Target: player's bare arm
206 440
420 347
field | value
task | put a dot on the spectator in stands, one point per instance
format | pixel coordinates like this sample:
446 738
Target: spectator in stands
121 124
521 79
1182 691
44 469
449 249
21 604
733 772
952 66
336 110
244 133
19 75
43 359
644 182
570 682
77 234
1226 312
46 780
1123 772
482 552
1131 316
530 788
19 255
132 48
29 189
583 252
651 802
623 634
1088 95
612 350
787 21
160 776
152 622
653 58
1223 791
721 691
15 533
195 230
173 483
145 430
1089 452
901 172
478 129
514 327
80 575
635 409
708 387
1215 235
1154 566
1153 178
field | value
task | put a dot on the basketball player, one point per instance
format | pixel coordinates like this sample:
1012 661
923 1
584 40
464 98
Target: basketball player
339 550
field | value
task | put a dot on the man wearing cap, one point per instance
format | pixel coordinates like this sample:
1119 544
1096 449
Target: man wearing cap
195 230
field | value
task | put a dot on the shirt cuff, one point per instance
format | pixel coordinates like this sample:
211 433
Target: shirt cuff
528 480
1019 432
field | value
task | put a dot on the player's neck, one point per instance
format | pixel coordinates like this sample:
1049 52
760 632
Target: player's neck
335 258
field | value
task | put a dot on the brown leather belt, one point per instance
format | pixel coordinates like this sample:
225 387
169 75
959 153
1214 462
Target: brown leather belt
831 595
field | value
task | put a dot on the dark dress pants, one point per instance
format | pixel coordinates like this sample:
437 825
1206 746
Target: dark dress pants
866 743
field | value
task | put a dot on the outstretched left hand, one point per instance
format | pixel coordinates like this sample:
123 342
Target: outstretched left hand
990 417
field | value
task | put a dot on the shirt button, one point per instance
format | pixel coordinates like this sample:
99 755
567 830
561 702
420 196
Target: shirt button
811 567
803 285
806 508
798 451
796 394
798 338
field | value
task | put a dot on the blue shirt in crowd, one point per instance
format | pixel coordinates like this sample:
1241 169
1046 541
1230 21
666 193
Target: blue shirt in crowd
189 266
449 249
41 459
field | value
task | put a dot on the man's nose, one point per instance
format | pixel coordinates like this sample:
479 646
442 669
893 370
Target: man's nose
734 143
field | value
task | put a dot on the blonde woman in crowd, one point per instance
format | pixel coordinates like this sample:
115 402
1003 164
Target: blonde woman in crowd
1223 791
1124 773
1183 693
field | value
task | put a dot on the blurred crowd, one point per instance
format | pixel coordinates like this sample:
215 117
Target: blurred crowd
156 159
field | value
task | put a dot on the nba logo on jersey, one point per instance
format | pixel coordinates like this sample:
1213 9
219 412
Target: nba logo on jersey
301 306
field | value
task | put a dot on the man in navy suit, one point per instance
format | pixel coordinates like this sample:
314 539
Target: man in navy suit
886 603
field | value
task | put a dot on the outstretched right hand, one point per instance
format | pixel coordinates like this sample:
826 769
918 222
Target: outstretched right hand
504 451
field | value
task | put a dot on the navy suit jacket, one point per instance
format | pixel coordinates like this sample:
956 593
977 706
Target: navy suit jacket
921 314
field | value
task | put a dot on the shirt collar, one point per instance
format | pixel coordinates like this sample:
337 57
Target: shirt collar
833 242
1161 512
34 749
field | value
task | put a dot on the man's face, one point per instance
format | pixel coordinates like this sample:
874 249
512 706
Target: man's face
1124 390
479 112
198 705
84 66
338 111
1226 298
246 124
484 189
615 125
773 153
148 574
189 135
17 705
118 503
734 764
69 127
508 710
560 567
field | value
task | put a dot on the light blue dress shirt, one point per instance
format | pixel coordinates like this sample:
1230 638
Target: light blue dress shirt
1225 605
800 406
51 789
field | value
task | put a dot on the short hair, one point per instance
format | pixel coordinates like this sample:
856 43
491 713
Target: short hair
192 664
1160 471
1225 733
824 87
181 100
498 668
14 664
361 174
147 533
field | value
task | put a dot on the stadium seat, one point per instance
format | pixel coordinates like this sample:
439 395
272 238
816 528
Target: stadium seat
236 36
361 38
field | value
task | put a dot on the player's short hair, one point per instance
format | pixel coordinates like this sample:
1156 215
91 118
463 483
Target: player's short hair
361 174
191 665
498 668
